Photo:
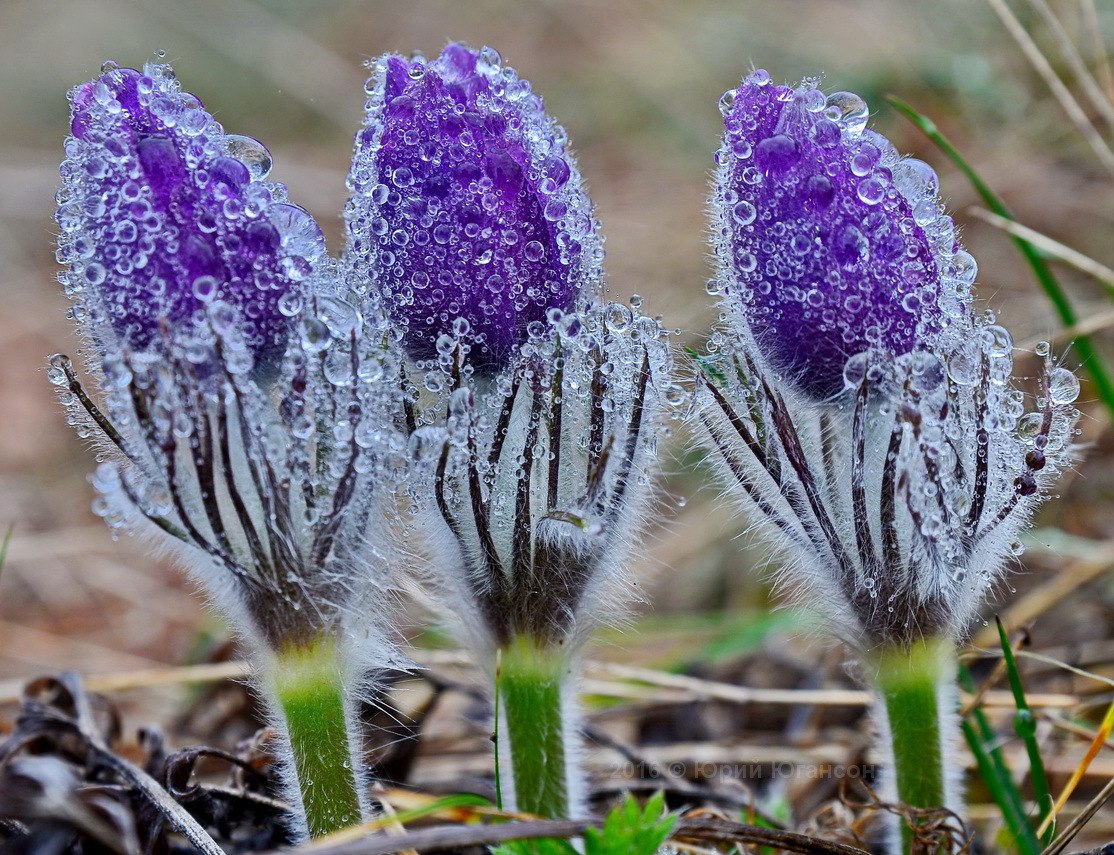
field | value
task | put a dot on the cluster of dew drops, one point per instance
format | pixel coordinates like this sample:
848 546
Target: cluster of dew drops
960 418
596 342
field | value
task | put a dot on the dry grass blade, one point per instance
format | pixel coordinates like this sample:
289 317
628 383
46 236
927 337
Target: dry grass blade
1081 262
698 688
393 826
1044 68
708 829
608 679
1092 752
1065 666
450 837
1099 100
693 830
1092 26
1093 324
1040 599
147 787
1069 726
1076 825
144 678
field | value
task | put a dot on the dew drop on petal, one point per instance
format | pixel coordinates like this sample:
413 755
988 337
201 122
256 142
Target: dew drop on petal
252 153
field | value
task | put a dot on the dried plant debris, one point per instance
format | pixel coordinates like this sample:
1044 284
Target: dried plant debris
66 786
70 783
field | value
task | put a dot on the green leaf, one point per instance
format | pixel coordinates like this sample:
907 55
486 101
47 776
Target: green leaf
1026 727
984 745
751 634
631 830
460 800
537 846
1033 256
707 366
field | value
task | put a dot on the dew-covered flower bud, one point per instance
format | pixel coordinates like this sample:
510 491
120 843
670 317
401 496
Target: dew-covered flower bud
827 242
163 214
875 426
860 410
247 411
466 204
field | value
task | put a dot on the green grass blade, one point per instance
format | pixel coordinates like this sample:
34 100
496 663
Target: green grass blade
1088 355
982 739
459 800
1026 727
4 546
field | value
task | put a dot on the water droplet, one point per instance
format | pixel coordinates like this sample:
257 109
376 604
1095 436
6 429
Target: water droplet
489 62
1029 425
1063 386
533 251
965 364
855 370
252 153
727 102
849 110
743 213
999 342
871 191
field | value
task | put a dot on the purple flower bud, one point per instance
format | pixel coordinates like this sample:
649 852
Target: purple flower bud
828 242
467 205
164 216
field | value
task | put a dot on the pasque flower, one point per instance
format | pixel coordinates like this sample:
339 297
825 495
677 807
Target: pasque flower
535 404
245 419
861 410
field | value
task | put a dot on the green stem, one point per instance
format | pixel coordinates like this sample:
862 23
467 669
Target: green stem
308 686
911 682
531 683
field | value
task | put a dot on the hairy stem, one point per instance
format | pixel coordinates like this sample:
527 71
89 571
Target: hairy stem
533 728
916 686
309 689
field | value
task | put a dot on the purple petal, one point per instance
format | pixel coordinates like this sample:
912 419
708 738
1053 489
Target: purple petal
162 213
828 243
467 205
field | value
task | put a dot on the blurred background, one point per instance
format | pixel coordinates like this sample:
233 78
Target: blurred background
636 83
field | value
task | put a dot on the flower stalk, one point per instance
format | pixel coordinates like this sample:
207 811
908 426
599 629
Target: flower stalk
308 685
916 688
537 757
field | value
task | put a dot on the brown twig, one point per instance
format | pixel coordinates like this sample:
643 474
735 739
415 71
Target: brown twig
696 830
